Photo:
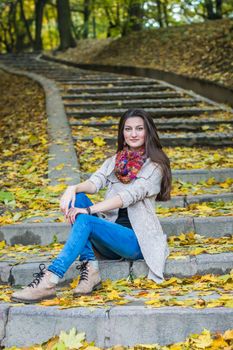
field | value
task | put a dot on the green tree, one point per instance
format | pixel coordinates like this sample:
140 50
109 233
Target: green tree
39 10
134 18
64 25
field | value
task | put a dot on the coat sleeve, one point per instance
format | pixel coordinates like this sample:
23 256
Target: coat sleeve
142 187
99 178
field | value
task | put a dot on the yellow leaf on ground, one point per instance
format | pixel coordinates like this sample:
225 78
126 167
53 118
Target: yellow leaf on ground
99 141
176 347
2 244
204 340
218 343
59 167
228 335
51 302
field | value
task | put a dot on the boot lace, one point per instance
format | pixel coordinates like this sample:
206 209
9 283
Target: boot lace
83 271
38 276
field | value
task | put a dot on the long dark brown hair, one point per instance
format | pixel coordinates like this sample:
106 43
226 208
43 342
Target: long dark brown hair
153 148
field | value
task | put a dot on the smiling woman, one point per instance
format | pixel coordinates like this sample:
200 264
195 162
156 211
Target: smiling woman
124 225
134 133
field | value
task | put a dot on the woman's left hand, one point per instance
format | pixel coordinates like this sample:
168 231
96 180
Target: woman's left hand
72 213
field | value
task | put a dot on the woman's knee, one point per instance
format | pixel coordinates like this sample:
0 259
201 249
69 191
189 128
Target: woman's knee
80 196
83 219
80 200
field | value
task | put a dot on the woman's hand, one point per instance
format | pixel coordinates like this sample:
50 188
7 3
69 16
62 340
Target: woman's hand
72 212
68 196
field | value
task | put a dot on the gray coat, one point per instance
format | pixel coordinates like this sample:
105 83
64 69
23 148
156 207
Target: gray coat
139 197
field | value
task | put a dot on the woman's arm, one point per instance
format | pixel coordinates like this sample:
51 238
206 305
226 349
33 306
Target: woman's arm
70 194
108 204
86 187
96 181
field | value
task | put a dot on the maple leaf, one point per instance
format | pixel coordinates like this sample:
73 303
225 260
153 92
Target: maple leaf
6 196
59 166
99 141
228 335
2 244
72 339
204 340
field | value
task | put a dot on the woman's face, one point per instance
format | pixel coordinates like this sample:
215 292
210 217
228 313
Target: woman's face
134 132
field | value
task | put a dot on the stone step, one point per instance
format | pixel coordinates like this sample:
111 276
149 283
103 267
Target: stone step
191 139
18 273
83 76
40 68
168 112
98 78
184 201
197 175
37 68
112 82
124 95
47 232
111 325
126 88
164 124
135 103
194 175
54 71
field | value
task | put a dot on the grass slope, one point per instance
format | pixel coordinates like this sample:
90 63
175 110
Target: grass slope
203 50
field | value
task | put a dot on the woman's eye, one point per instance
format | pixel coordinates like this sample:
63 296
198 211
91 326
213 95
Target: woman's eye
140 129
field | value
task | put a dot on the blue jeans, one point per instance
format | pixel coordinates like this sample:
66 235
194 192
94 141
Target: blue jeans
111 240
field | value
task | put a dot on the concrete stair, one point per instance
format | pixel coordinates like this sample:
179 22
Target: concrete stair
135 103
194 175
17 273
46 233
168 112
173 124
126 325
124 95
173 140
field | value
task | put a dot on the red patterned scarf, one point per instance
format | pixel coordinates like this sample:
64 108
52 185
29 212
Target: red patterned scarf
128 163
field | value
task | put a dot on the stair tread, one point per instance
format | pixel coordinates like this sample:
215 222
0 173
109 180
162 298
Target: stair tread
107 322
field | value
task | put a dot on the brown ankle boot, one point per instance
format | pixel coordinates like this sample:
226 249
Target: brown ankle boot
89 280
40 288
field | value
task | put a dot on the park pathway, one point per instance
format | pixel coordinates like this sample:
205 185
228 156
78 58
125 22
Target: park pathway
93 102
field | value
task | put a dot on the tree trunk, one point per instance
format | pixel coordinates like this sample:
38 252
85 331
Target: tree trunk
209 9
110 22
12 24
219 9
135 12
94 26
165 13
3 39
64 25
23 17
39 9
50 31
118 20
86 14
213 11
159 9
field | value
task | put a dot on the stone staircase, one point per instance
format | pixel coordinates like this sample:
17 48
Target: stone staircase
94 101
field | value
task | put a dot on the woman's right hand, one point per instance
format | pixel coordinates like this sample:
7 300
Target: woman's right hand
68 196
